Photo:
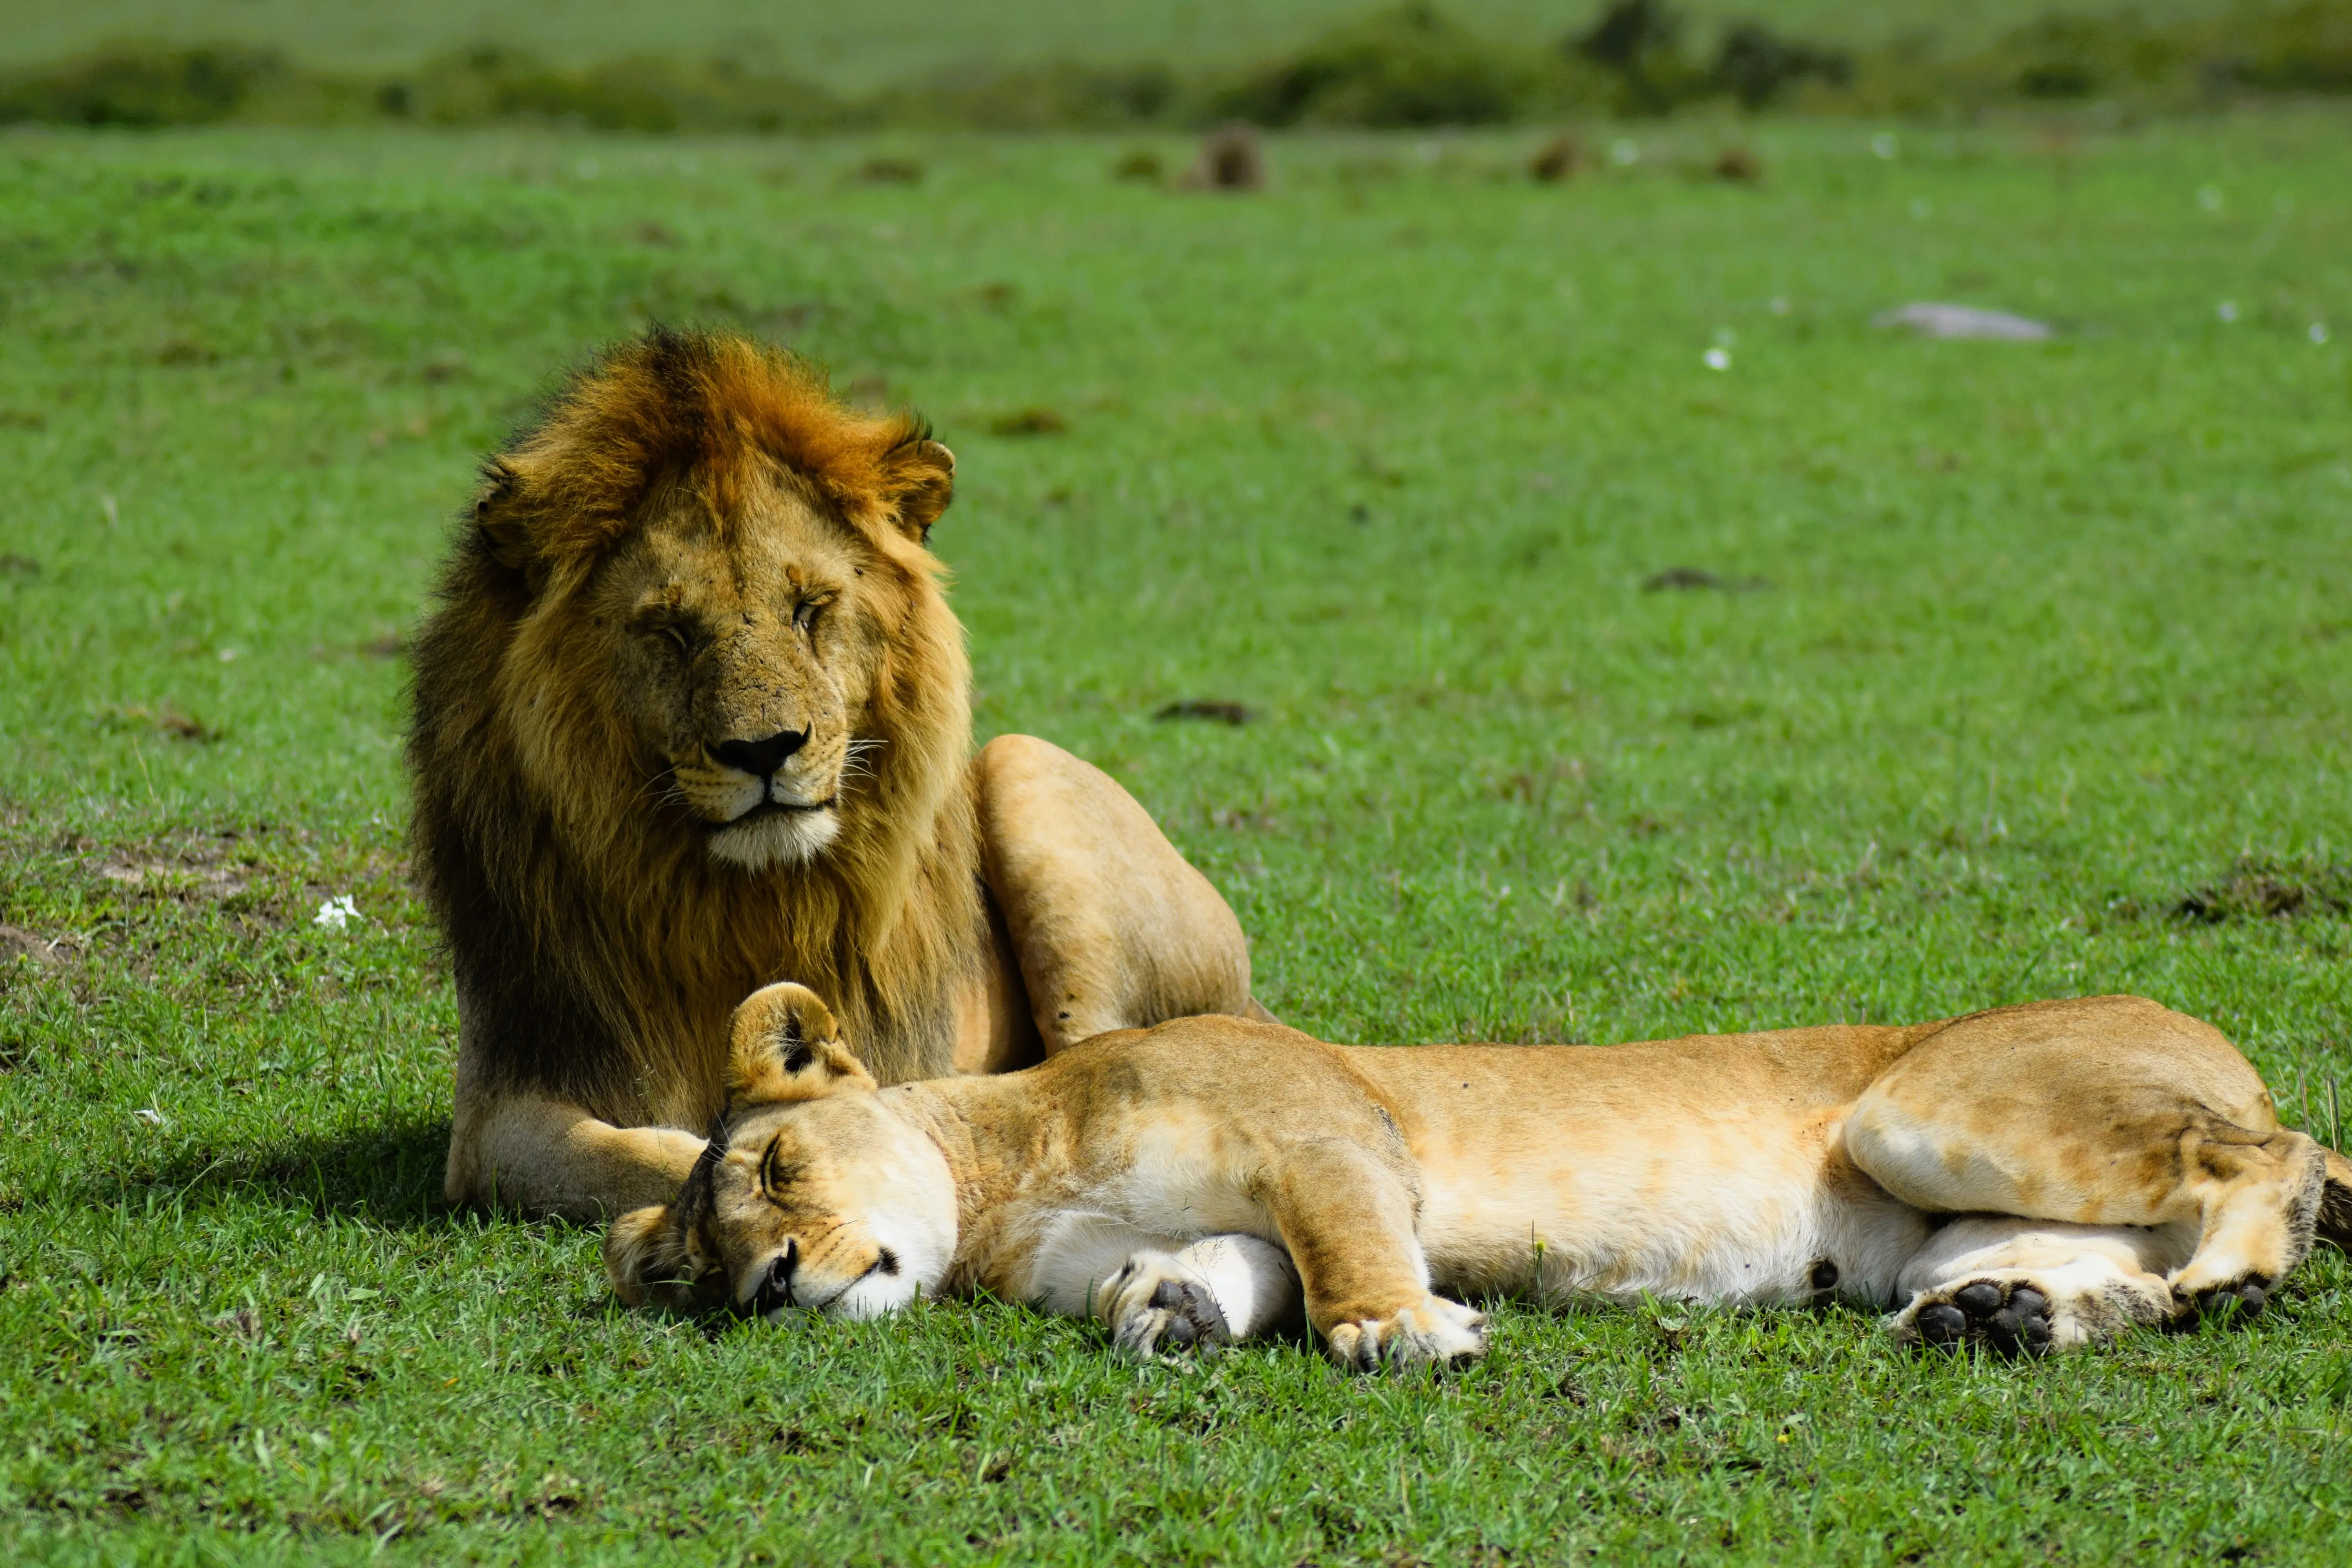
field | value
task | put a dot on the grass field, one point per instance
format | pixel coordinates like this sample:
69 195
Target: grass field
2033 644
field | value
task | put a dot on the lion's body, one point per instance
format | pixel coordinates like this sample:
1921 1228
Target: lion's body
693 716
2121 1161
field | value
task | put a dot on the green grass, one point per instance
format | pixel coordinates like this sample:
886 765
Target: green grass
2054 637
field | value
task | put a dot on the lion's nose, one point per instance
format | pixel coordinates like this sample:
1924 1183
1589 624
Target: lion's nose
760 757
776 1290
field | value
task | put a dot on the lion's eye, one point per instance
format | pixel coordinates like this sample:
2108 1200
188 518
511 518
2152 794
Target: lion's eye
804 616
678 638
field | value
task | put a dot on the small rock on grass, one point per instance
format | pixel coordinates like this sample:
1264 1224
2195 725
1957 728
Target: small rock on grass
1935 321
1230 160
1561 158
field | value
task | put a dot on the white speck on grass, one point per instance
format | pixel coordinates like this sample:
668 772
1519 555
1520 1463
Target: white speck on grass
336 913
1779 304
150 1115
2210 197
1716 359
2227 309
1624 151
2318 333
1885 145
229 656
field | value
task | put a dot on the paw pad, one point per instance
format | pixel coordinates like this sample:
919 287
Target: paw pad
2239 1303
1169 1314
2012 1320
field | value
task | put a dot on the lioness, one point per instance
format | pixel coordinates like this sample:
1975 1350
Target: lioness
693 715
2034 1177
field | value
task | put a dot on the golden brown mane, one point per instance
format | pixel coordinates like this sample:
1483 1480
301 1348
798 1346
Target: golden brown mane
597 947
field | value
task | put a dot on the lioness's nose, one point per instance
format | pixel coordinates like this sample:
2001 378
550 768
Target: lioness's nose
760 757
776 1290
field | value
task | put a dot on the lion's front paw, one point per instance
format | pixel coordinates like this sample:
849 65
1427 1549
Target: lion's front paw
1434 1332
1155 1303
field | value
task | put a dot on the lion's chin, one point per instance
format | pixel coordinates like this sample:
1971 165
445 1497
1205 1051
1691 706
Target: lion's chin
769 836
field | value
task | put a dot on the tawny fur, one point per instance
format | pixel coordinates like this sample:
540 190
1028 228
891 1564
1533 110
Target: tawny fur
2034 1177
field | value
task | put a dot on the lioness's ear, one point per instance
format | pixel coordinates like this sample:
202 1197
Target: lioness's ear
503 528
785 1044
920 481
644 1257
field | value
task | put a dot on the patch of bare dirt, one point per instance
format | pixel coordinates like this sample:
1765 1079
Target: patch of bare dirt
16 943
2258 889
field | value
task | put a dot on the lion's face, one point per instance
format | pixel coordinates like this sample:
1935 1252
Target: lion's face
814 1194
744 664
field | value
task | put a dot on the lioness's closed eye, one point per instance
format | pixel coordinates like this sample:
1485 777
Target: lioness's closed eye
1213 1179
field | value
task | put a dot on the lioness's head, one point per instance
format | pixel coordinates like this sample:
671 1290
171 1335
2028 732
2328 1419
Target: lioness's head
812 1195
729 621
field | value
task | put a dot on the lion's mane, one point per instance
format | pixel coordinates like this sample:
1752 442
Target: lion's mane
597 947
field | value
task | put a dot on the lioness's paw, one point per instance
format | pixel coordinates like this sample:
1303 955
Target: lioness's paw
2013 1318
1432 1332
2015 1313
1155 1303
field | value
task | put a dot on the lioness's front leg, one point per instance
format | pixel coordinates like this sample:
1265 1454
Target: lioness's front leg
1347 1215
1110 926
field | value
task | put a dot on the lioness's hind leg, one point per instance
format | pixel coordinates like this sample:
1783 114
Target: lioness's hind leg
2109 1111
1214 1291
2026 1286
2260 1218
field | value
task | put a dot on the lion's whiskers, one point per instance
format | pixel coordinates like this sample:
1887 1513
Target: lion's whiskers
853 763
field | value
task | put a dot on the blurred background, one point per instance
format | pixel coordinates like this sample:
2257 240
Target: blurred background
794 65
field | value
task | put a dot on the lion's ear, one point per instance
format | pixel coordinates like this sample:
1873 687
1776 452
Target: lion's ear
919 482
786 1045
646 1258
506 533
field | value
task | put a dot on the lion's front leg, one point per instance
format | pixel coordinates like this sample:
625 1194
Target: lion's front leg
1110 927
521 1150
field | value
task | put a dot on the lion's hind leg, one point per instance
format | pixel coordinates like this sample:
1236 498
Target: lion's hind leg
2030 1286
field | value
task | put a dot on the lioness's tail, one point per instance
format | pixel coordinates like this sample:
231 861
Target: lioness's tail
2335 1203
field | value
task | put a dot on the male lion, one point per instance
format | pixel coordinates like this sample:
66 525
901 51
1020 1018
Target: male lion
692 714
2034 1177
